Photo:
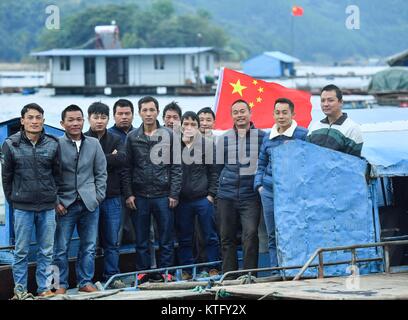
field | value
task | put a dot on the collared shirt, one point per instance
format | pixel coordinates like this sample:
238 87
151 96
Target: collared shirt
288 132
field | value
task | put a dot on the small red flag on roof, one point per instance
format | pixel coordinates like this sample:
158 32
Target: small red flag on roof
297 11
261 96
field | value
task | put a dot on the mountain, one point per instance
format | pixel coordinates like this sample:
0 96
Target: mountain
251 26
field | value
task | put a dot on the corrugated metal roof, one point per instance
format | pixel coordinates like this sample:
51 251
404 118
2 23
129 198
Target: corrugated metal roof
281 56
121 52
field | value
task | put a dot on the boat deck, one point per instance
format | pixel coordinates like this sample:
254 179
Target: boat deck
371 287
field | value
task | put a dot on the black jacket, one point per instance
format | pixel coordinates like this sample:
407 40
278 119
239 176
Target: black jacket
29 172
240 156
200 176
115 162
146 178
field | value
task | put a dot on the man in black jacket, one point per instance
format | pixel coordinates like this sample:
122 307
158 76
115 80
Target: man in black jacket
155 182
198 190
30 167
110 209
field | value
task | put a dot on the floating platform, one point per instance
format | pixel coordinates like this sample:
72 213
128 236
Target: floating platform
371 287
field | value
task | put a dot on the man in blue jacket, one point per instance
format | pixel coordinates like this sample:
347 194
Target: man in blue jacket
284 129
238 149
81 189
29 169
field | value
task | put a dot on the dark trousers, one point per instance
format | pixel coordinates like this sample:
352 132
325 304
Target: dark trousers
186 212
163 215
230 213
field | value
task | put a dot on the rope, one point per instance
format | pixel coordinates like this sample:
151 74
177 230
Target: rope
21 294
245 279
198 289
222 293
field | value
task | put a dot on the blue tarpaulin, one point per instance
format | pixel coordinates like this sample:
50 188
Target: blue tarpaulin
387 152
321 200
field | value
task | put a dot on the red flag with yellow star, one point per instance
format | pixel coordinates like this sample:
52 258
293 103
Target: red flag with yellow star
261 96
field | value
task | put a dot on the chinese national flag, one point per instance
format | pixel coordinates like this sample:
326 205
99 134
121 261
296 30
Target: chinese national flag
261 96
297 11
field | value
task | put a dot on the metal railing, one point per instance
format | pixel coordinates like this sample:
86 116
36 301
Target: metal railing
319 253
165 270
320 265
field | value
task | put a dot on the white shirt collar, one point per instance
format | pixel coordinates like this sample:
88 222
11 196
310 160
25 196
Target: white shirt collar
288 132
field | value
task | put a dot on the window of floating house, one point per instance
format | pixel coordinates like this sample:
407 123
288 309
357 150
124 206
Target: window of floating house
65 63
159 62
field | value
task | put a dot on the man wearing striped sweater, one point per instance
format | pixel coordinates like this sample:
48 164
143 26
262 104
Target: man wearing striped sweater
336 131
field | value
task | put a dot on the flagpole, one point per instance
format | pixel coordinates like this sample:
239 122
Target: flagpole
292 34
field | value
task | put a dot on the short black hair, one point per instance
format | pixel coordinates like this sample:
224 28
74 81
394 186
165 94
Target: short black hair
332 87
147 99
123 103
206 110
98 108
71 107
287 101
190 115
241 101
173 106
33 106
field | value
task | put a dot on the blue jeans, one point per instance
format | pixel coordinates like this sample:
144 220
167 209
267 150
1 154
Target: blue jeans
267 204
87 226
163 215
24 222
186 212
110 212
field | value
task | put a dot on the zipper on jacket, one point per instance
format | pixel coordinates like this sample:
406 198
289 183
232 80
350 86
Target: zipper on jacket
36 168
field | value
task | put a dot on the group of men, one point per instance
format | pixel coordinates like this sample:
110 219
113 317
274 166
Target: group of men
200 189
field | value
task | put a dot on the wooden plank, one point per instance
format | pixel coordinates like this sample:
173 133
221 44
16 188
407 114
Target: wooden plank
134 295
371 287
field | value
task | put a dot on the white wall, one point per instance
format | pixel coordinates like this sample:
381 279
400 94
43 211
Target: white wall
73 77
172 74
100 70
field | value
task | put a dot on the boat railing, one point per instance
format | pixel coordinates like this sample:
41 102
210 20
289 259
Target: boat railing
319 253
166 271
321 264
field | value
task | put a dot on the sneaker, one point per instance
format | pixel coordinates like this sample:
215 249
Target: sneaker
186 276
142 278
117 284
155 277
60 291
87 289
167 278
213 272
46 294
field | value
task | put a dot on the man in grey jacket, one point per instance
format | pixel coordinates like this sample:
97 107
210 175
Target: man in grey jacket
81 189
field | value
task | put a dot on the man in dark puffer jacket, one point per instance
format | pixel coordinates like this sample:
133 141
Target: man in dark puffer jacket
29 168
238 150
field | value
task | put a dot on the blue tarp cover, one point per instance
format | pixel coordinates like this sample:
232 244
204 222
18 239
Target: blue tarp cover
321 200
387 152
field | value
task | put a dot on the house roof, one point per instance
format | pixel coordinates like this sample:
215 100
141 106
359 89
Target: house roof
122 52
281 56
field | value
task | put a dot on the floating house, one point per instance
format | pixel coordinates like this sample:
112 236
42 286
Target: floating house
273 64
128 71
